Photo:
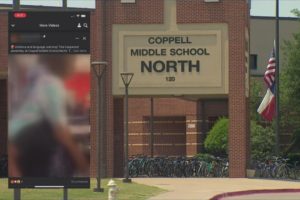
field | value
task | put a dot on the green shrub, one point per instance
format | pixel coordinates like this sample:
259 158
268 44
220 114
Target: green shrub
294 157
296 135
205 156
294 147
216 141
262 141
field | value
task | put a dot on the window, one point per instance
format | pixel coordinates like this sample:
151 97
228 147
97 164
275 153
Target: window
91 4
6 1
127 1
211 121
54 3
253 61
211 1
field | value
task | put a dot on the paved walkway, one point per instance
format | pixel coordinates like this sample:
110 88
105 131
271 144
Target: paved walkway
206 188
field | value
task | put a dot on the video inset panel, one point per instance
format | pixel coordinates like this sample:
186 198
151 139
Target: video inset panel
49 100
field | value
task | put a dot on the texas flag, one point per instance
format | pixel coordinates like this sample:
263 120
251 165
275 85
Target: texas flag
267 106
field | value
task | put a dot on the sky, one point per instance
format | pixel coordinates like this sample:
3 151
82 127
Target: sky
259 7
267 7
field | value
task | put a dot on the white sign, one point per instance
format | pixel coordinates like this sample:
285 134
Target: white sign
185 62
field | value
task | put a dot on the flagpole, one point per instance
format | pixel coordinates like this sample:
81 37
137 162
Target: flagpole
277 122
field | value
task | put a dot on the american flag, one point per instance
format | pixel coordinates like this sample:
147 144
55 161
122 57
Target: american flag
269 76
267 106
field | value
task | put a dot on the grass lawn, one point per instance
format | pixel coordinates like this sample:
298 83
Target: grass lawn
129 191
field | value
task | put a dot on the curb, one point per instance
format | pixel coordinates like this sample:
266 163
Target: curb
248 192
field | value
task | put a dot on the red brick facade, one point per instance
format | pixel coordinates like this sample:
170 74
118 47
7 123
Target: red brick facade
235 14
180 125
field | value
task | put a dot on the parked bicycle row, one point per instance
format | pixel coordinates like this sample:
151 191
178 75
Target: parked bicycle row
278 168
177 167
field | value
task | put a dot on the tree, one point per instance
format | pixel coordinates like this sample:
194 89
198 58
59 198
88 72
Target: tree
290 88
290 82
295 145
262 141
256 95
296 12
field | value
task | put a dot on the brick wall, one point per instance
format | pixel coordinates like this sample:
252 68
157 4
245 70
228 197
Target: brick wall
235 14
180 126
169 136
96 42
200 12
144 12
3 41
170 120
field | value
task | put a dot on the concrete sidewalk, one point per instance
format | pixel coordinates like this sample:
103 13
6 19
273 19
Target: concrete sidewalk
206 188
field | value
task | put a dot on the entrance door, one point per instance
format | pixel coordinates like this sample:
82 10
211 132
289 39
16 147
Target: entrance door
169 135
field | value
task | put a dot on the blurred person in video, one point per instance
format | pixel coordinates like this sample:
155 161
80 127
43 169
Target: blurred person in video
19 65
40 140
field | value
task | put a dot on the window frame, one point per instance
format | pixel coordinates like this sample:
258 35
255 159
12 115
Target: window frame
253 62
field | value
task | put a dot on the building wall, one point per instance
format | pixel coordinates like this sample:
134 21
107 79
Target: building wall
226 12
171 135
178 124
262 38
262 41
96 44
139 109
141 12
